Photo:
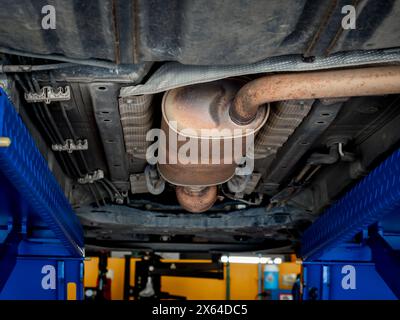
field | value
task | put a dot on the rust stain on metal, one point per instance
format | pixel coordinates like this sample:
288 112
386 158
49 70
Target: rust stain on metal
324 22
313 85
196 199
199 107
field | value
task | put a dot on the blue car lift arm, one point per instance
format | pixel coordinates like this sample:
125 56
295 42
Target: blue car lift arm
376 196
387 261
362 211
36 219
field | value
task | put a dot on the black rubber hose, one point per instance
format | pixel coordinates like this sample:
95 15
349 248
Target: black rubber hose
53 125
113 187
107 189
39 116
94 195
81 155
75 137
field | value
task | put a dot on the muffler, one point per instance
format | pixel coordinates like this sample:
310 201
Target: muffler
197 118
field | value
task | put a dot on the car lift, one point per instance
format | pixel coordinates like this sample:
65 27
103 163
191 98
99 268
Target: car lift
41 239
350 252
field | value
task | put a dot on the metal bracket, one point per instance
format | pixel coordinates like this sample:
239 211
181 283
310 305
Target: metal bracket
48 95
91 178
8 257
70 146
387 261
154 182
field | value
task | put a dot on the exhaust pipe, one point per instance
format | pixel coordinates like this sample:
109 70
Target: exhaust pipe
196 199
313 85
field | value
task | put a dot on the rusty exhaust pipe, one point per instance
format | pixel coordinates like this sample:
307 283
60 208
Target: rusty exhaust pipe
313 85
196 199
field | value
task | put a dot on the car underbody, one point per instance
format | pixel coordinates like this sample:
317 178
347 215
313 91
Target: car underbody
325 103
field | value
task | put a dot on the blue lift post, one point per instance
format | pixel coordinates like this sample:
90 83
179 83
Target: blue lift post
352 250
41 239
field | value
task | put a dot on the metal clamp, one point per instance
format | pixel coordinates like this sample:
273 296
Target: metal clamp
70 146
154 181
48 94
91 178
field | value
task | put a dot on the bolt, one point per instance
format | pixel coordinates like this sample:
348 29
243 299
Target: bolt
309 59
5 142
